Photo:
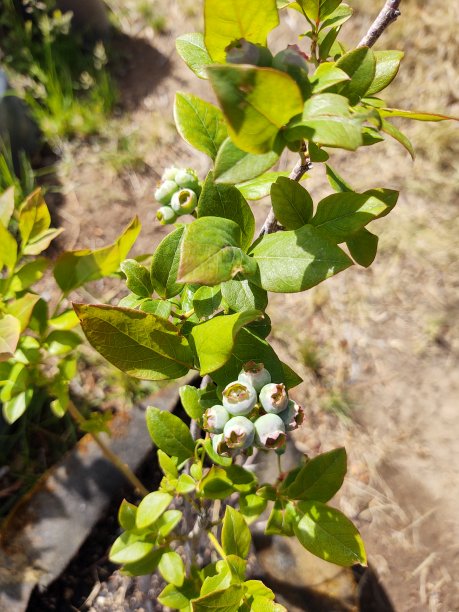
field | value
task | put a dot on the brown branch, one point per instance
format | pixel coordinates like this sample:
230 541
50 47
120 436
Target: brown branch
389 13
271 225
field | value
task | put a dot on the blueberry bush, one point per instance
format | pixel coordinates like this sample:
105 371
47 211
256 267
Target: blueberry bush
201 305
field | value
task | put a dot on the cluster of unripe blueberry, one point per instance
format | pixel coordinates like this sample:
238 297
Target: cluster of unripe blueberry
254 412
178 193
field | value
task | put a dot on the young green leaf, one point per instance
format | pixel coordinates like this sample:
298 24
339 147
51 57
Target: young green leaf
178 598
252 505
10 330
244 295
171 568
6 206
321 478
167 464
360 65
291 203
229 21
199 123
415 115
336 180
257 103
189 396
290 262
28 274
342 215
214 340
34 217
137 278
170 434
129 548
219 257
259 187
227 600
392 130
216 484
218 582
387 67
126 515
236 538
327 75
165 263
192 50
328 534
140 344
227 202
363 247
207 300
234 165
8 249
75 268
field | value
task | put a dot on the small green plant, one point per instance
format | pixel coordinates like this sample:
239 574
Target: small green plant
202 304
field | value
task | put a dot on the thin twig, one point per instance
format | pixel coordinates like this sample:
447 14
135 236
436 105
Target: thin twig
271 225
388 15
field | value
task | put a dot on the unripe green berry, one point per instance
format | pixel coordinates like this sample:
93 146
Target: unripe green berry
243 52
292 416
215 419
166 215
239 433
239 398
170 173
274 398
254 374
187 179
184 202
270 431
165 191
292 57
219 445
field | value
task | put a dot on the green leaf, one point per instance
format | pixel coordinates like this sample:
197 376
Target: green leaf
290 262
328 534
126 515
6 206
199 123
257 103
8 249
28 274
343 214
14 408
215 457
65 320
214 339
41 242
10 330
145 566
185 484
151 508
327 75
161 308
252 505
170 434
207 300
415 115
227 202
393 131
291 203
189 396
263 604
336 17
137 278
76 268
165 263
129 548
244 295
327 121
259 187
22 308
227 600
172 568
192 50
256 588
216 484
167 522
60 342
178 598
167 464
34 217
363 247
360 65
336 180
321 478
140 344
219 257
218 582
229 21
387 67
234 166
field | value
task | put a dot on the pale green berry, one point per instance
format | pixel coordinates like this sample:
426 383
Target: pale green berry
289 58
270 431
293 416
215 419
165 191
170 173
184 202
166 215
254 374
274 398
243 52
187 179
239 398
239 433
219 445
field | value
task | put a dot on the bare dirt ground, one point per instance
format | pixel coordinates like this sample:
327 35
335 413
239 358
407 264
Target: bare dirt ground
378 348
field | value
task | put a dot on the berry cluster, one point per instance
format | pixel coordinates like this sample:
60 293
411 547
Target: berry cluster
254 411
178 193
